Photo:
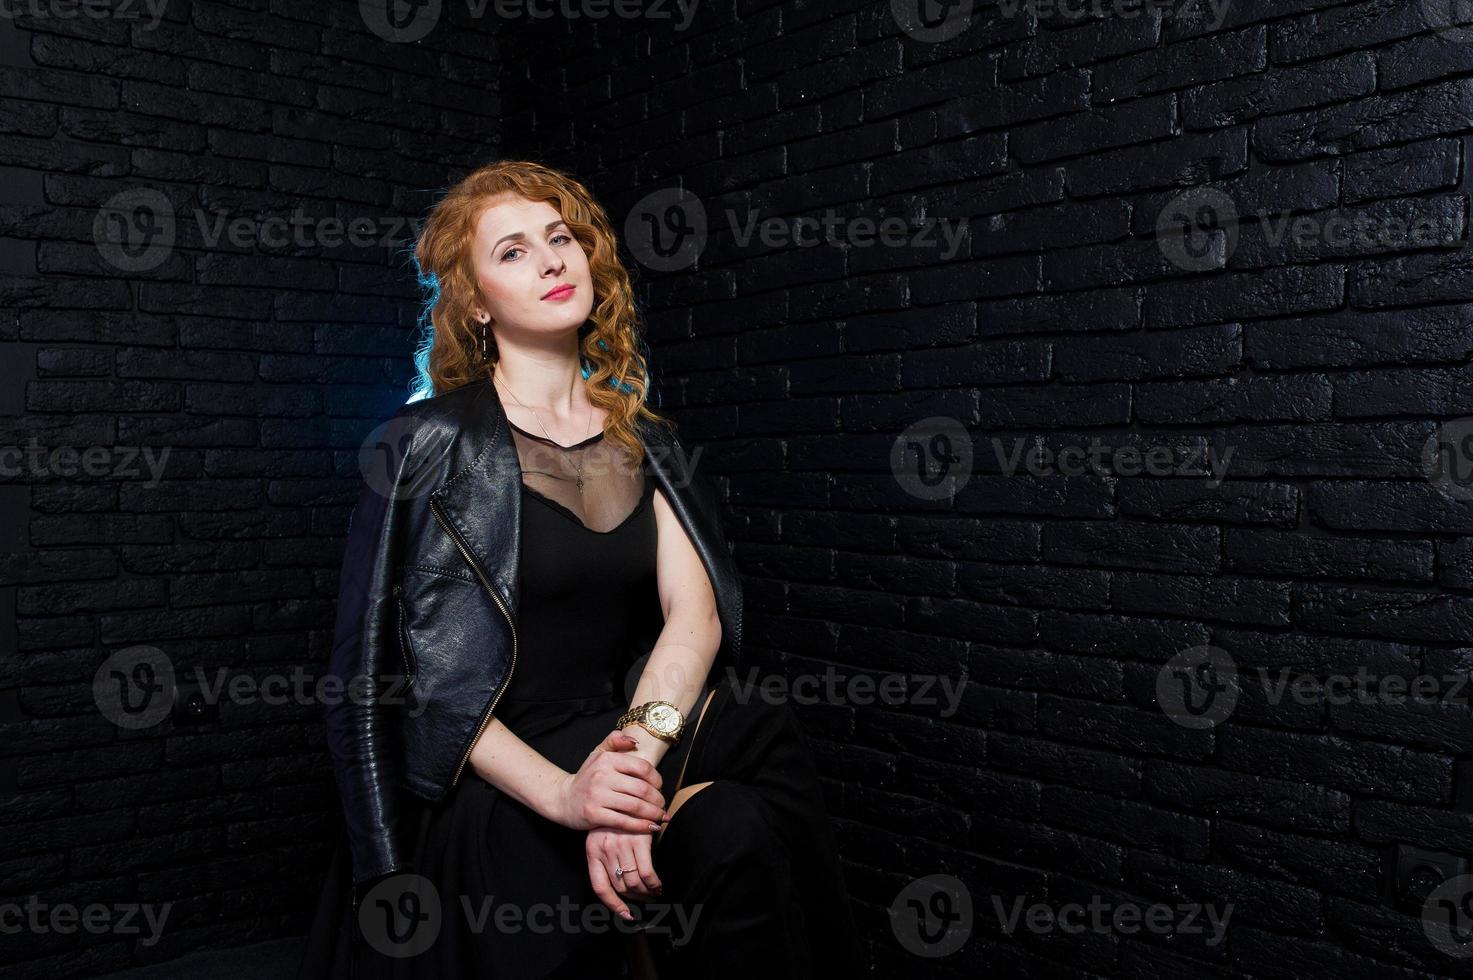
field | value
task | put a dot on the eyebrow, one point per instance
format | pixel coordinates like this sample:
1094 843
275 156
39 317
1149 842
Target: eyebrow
517 235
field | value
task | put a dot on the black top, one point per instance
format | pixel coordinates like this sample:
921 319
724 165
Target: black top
589 604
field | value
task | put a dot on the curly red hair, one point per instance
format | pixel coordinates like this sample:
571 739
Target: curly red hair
611 344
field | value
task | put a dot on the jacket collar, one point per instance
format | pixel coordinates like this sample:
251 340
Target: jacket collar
482 497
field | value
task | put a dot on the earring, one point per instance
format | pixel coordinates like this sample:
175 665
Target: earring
483 341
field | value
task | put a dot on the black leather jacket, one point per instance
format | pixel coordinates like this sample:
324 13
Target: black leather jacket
428 600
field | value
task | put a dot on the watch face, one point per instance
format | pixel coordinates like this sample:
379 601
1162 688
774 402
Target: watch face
663 716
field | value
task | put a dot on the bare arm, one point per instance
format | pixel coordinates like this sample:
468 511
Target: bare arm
613 787
686 648
676 672
502 759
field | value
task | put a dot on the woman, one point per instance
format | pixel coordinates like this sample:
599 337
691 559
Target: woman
592 604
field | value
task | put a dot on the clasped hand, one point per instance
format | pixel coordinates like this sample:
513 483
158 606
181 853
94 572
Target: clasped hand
615 796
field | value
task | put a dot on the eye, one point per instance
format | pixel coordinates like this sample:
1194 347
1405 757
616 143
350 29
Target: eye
505 255
563 235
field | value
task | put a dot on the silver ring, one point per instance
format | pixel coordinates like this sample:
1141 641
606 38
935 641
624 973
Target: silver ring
619 872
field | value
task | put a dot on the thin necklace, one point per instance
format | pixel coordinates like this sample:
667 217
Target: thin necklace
550 439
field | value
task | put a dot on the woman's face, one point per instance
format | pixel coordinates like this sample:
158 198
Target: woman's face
525 260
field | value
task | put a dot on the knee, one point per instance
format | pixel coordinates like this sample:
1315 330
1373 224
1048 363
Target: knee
736 825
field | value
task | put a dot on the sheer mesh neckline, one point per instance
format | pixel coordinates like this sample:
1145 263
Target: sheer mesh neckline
565 512
577 445
612 487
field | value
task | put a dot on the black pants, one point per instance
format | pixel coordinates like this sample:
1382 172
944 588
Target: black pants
752 858
751 861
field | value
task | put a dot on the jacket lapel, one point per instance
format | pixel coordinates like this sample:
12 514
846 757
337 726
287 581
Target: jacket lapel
482 499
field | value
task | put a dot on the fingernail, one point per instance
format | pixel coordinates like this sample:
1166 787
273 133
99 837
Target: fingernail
654 826
626 916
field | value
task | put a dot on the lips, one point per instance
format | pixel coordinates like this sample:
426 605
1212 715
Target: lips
558 292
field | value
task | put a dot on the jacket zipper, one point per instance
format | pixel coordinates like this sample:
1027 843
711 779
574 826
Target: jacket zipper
486 717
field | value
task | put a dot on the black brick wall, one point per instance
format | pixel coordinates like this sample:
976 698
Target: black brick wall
1323 365
260 370
1077 309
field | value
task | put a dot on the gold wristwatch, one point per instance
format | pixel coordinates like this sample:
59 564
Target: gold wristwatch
660 718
